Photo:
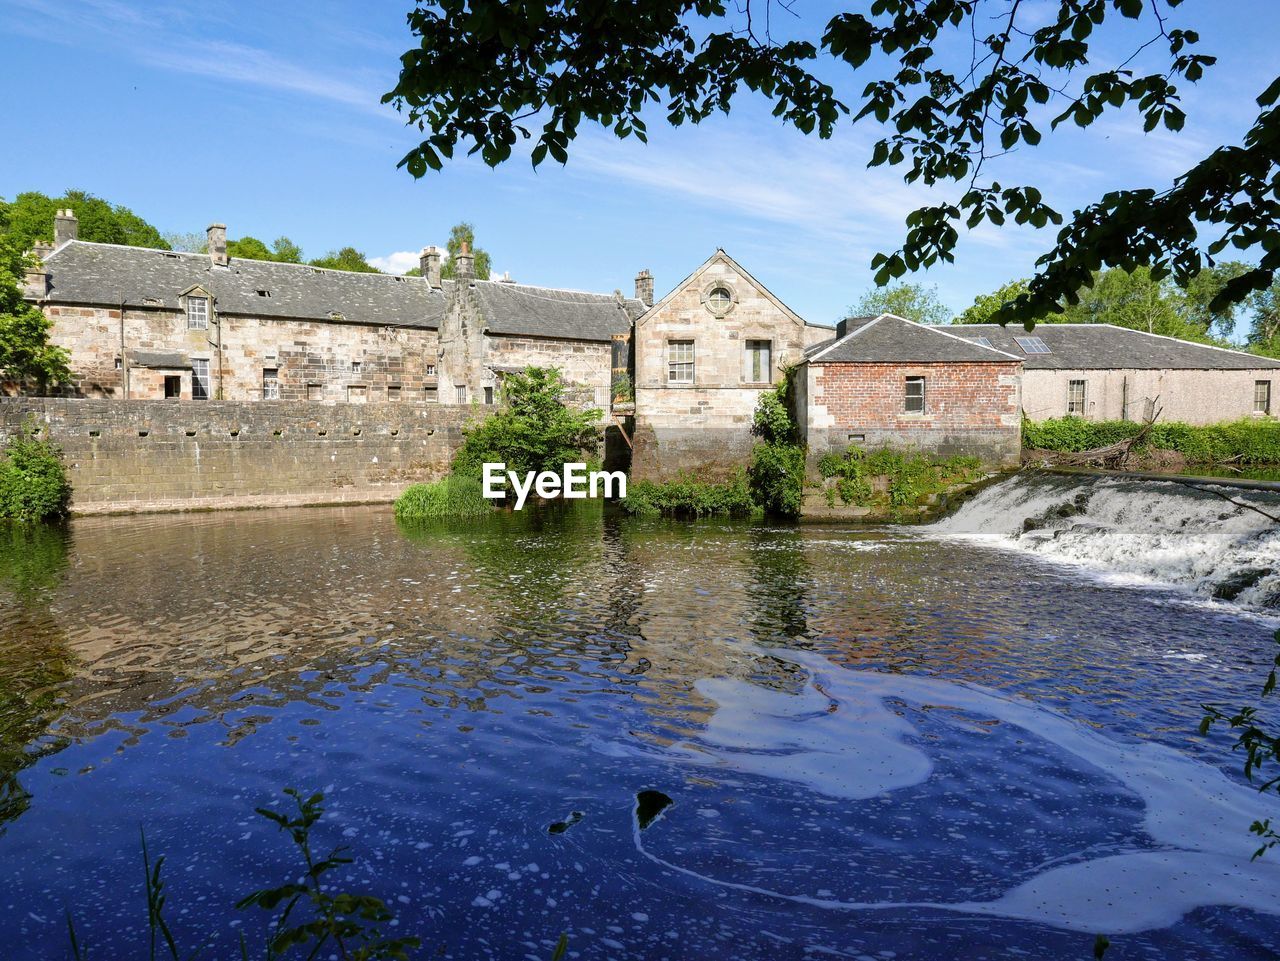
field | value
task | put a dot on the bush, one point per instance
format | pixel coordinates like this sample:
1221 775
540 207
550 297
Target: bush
453 496
33 482
909 478
776 477
688 497
1248 441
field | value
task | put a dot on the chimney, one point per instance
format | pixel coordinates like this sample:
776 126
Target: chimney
464 264
35 285
65 227
218 244
644 287
429 264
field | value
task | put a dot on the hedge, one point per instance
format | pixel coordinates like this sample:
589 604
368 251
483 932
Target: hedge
1246 441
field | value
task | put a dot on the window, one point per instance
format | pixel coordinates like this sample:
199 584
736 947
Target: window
915 395
460 392
759 362
119 363
1262 397
270 383
1032 345
172 387
199 380
1075 397
719 299
357 394
393 392
197 313
680 362
982 341
431 395
315 391
488 395
431 370
355 368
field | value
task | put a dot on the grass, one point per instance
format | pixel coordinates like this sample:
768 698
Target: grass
688 497
454 496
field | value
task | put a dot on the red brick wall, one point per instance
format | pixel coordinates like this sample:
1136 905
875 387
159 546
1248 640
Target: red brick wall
957 396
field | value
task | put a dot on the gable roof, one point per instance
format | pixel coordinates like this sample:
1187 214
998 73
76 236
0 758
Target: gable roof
724 258
108 275
888 338
1105 346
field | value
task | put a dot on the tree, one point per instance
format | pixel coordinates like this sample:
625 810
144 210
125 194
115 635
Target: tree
1201 305
348 258
460 234
951 85
249 248
1264 330
986 306
912 301
29 218
25 352
285 251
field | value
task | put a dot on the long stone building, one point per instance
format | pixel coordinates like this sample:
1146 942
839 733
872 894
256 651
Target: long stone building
679 376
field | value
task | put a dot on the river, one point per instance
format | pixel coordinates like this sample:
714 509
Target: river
976 739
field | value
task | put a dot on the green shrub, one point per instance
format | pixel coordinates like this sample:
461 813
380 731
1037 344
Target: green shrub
776 478
1248 441
33 482
453 496
688 497
909 478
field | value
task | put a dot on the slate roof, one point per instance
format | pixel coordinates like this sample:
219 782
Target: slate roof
107 275
158 359
1105 346
892 339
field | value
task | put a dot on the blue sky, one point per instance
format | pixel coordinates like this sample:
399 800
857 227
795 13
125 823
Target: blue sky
268 119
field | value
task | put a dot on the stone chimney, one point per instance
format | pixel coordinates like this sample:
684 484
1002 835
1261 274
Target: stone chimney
35 283
218 244
464 268
644 287
65 227
429 264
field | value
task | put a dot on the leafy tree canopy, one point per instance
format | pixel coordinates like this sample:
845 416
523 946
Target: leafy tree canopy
29 218
348 258
25 352
985 306
283 250
951 82
1264 329
460 234
912 301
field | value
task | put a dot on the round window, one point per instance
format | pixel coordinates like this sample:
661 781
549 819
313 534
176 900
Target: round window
719 299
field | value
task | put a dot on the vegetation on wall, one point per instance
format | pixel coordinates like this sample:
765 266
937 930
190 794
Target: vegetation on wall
777 461
25 352
33 481
533 431
1249 441
893 480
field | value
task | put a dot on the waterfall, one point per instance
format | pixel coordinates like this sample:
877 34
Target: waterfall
1158 531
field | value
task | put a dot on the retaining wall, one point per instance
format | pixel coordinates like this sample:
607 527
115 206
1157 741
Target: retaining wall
135 456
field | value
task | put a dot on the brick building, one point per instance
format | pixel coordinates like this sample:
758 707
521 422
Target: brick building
145 324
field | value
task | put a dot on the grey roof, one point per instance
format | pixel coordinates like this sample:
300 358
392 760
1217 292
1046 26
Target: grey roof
891 339
167 360
107 274
1099 346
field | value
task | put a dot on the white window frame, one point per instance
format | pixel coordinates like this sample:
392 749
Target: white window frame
752 352
681 364
197 312
201 386
908 397
1262 397
1077 408
270 383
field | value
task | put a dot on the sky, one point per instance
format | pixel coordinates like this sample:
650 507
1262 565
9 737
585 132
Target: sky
267 117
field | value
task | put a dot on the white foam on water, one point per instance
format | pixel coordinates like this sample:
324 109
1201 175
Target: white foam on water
1138 532
838 738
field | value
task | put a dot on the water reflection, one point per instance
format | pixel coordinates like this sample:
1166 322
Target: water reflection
463 686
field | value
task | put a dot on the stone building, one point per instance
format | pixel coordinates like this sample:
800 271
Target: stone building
678 379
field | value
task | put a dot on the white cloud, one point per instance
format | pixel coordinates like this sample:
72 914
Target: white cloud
396 262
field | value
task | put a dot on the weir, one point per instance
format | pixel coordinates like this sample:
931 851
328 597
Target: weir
1215 541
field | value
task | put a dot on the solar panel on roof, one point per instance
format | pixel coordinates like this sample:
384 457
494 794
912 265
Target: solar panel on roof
1032 345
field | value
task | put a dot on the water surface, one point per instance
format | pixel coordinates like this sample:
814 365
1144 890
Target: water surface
876 742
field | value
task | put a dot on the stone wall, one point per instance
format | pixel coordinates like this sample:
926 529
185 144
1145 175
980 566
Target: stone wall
969 409
127 456
328 362
583 363
1189 396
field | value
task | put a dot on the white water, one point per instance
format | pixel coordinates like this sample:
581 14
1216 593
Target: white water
840 738
1156 531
